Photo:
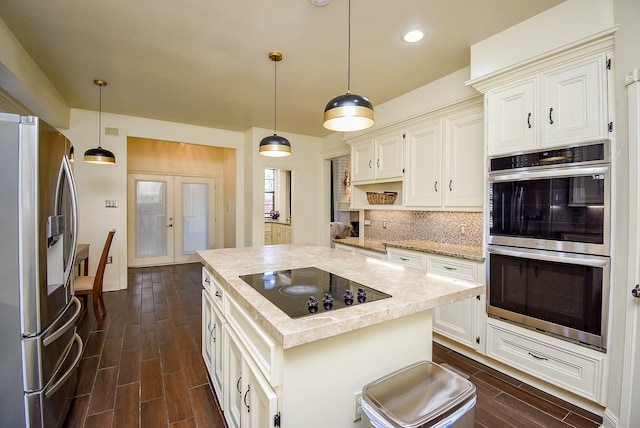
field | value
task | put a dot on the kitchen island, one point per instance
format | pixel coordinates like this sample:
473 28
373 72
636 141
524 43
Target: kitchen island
269 368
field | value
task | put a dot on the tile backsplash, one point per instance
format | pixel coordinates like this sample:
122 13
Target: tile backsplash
440 226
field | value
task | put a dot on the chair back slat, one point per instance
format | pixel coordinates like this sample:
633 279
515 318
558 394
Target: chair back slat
97 283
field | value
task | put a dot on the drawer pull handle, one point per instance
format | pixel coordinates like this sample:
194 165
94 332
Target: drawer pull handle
238 385
214 333
529 120
538 357
218 294
450 268
550 117
435 186
207 281
404 259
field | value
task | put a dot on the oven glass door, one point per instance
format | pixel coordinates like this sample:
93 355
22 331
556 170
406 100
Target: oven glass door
565 208
559 293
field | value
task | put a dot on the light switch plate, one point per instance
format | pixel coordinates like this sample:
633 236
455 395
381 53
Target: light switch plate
111 203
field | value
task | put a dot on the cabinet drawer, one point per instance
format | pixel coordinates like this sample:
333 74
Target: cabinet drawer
452 268
407 258
259 345
213 287
561 363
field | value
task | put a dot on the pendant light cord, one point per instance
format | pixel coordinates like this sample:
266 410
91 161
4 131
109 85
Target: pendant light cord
349 53
275 97
100 121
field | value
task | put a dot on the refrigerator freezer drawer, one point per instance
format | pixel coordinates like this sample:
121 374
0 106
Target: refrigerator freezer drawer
44 353
48 408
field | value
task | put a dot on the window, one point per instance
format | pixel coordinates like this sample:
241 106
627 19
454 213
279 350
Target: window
269 190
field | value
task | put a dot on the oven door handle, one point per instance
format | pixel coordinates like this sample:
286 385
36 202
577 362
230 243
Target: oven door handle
551 256
559 172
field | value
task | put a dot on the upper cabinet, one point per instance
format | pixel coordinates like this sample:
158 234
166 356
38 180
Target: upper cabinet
553 108
433 162
378 158
445 161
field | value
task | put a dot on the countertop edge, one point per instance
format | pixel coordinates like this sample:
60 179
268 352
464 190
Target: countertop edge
288 333
381 246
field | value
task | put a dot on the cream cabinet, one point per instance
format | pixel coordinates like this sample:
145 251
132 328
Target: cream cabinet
561 363
445 161
377 158
463 321
554 108
280 233
251 400
268 234
241 358
361 251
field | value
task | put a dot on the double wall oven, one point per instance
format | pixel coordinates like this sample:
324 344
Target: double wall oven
548 241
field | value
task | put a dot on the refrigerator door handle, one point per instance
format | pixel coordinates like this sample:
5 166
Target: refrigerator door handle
53 388
65 175
69 324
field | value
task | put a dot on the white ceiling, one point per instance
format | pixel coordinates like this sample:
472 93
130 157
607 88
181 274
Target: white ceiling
205 62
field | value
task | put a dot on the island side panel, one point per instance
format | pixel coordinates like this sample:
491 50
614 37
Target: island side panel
319 379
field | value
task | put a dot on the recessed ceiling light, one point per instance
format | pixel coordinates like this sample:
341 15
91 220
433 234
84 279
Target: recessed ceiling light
319 2
413 36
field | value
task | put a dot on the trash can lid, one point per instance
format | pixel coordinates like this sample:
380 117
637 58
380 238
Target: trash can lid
415 395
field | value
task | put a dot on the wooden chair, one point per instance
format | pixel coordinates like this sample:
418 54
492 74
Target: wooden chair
92 285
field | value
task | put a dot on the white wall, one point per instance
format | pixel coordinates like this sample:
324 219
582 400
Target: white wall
305 164
96 183
554 28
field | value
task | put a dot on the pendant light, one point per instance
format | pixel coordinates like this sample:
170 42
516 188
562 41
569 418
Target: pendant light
348 112
274 145
99 155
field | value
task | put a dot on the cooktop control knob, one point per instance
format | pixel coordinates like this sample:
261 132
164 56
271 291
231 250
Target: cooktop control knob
362 295
313 304
328 301
348 297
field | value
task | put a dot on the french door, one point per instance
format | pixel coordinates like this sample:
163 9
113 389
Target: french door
169 218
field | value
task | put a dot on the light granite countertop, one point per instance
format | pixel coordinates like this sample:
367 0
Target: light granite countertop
468 252
412 289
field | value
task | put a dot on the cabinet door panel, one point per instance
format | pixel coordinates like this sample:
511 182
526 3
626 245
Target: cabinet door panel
423 179
465 160
261 400
512 118
362 161
388 160
233 381
573 101
456 320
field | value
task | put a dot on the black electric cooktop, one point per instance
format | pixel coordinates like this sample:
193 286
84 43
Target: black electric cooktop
307 291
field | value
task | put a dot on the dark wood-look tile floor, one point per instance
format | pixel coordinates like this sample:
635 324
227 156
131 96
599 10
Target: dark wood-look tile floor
143 367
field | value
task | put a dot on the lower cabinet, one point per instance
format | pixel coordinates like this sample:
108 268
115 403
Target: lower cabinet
464 320
212 332
251 402
561 363
361 251
239 358
280 233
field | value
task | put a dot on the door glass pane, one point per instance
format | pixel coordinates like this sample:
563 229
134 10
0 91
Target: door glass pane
195 206
151 219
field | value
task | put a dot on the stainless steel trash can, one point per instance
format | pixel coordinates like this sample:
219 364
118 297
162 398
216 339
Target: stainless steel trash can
423 394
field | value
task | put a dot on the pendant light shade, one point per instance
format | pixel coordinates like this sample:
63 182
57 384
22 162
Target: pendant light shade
99 155
348 112
275 145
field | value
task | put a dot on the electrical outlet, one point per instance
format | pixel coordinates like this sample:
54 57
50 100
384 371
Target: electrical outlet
357 408
109 260
463 229
367 222
384 224
111 203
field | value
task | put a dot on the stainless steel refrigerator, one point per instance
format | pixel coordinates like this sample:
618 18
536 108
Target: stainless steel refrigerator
39 347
